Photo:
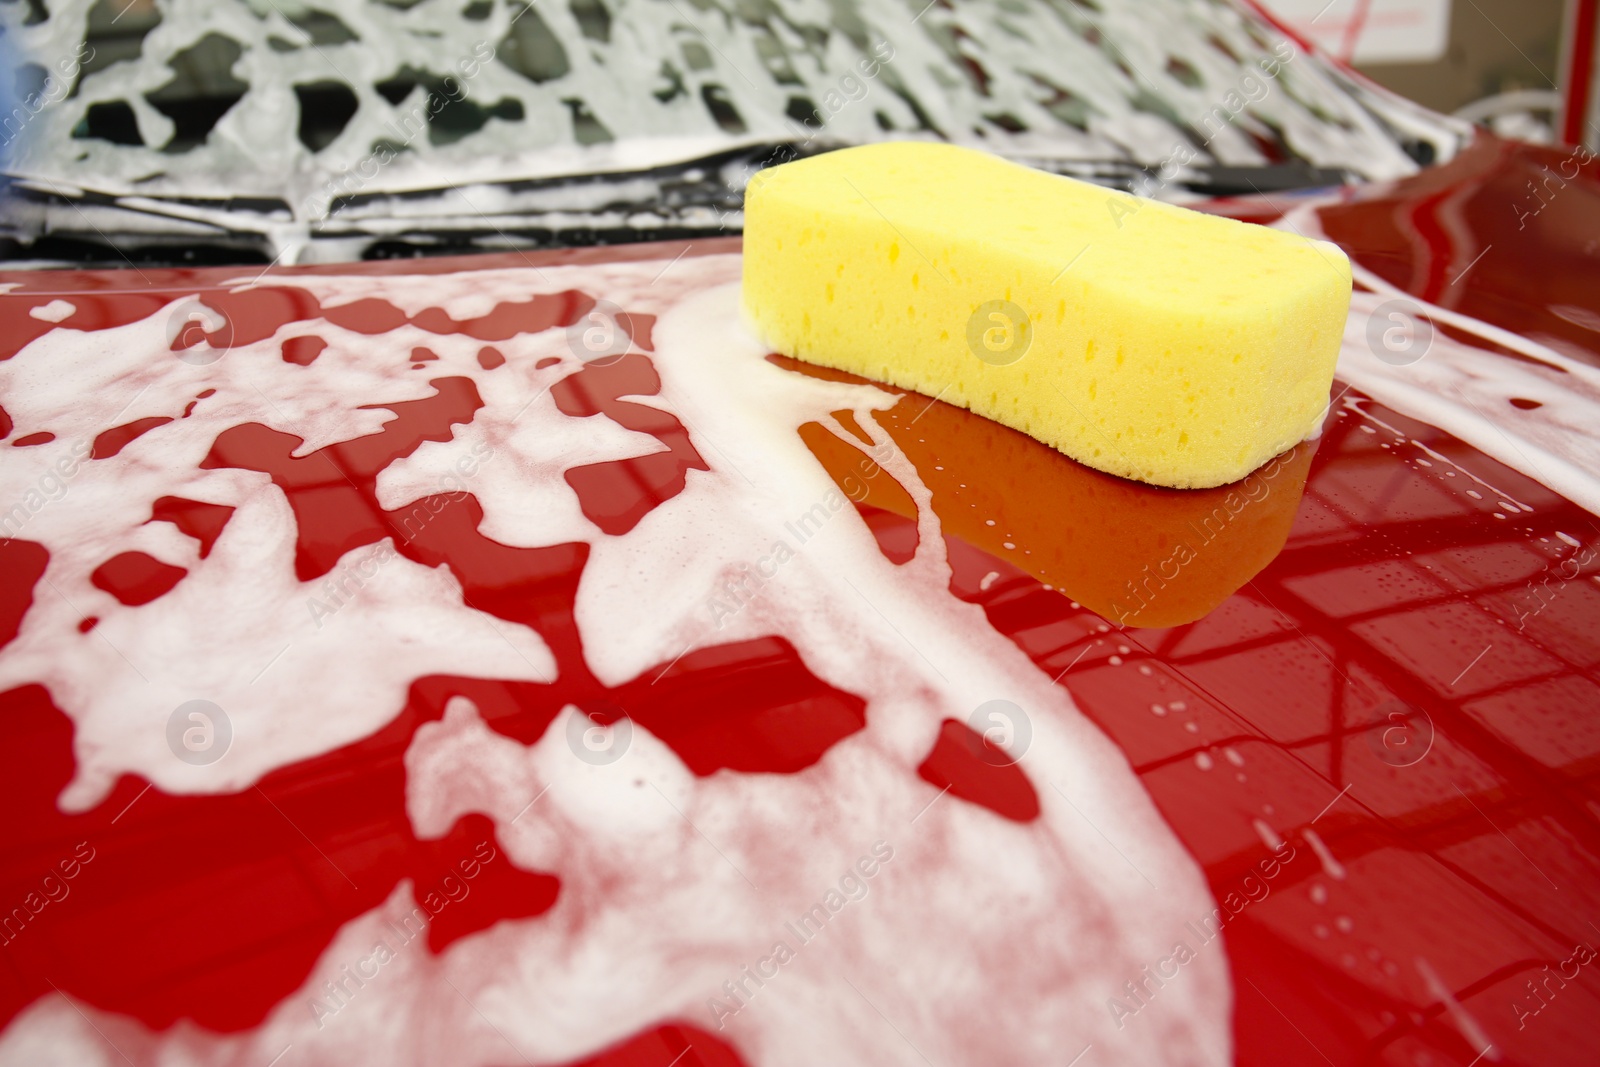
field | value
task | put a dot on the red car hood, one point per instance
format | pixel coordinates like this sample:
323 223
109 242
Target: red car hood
498 660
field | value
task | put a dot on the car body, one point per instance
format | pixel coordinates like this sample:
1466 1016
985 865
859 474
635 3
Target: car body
495 659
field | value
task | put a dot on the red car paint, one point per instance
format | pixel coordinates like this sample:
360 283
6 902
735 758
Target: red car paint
1423 756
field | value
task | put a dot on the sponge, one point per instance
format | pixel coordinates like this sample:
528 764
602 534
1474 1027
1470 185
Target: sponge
1142 339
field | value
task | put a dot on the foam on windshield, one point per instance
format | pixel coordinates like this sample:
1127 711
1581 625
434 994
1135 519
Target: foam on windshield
308 105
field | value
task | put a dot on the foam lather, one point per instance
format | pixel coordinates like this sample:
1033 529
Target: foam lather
1143 339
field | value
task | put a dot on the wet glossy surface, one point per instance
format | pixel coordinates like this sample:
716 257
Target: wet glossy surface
1388 673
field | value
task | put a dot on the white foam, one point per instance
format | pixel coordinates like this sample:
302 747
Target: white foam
54 311
1464 388
671 883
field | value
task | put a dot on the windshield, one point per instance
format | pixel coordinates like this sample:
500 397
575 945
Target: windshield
276 129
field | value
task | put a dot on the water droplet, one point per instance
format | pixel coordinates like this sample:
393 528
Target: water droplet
1330 865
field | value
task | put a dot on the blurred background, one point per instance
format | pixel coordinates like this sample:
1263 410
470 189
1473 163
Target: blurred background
1503 62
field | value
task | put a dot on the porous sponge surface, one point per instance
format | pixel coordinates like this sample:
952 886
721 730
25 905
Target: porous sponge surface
1162 344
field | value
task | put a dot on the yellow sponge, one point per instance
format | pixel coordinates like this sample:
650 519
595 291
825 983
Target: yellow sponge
1142 339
